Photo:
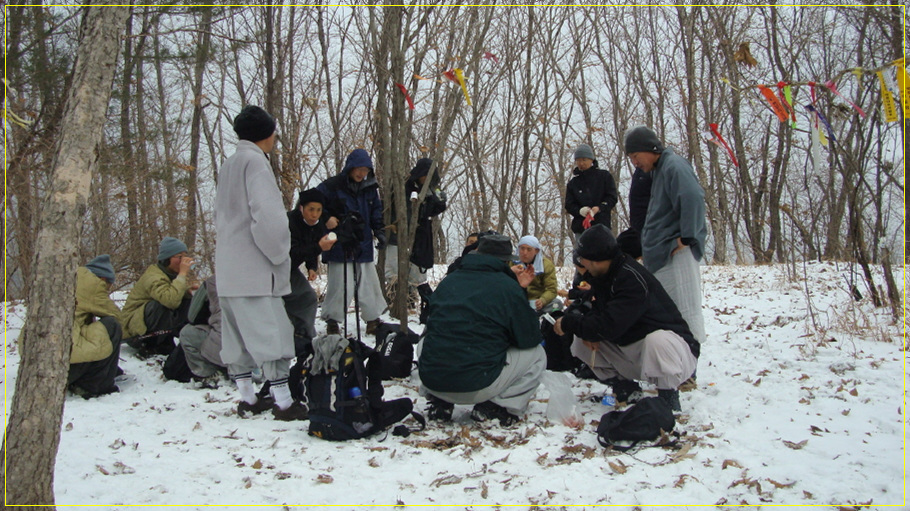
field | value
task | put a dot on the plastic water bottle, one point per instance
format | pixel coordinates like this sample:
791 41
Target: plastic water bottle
609 400
354 392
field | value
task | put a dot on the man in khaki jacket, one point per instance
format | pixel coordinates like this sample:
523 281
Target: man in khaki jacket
156 307
96 331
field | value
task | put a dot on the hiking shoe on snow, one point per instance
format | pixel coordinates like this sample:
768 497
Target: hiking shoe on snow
490 410
90 394
262 404
626 391
331 327
688 385
372 325
671 397
296 412
439 410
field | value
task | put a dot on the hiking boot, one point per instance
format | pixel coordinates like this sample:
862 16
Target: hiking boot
583 372
245 409
87 394
626 391
490 410
331 327
372 325
671 397
208 382
688 385
439 410
296 412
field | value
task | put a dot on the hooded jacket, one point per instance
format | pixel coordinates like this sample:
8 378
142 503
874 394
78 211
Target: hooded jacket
475 315
344 196
422 253
91 341
590 188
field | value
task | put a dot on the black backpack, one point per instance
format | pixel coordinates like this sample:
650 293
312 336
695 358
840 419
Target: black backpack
642 421
396 351
345 401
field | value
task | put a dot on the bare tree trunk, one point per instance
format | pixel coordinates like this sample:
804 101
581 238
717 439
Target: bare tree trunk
33 433
202 55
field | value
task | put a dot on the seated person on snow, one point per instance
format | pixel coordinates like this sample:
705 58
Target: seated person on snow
156 307
96 331
198 354
482 341
632 330
542 290
309 238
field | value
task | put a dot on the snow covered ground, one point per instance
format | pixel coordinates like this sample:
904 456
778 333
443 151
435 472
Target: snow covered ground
800 402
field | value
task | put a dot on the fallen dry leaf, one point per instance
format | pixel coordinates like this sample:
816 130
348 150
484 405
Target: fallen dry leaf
780 485
324 479
257 465
619 467
796 446
730 463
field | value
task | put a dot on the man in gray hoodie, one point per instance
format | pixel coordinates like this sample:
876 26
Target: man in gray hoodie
673 236
253 264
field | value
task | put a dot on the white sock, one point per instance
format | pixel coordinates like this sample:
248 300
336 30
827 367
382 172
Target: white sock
281 393
247 390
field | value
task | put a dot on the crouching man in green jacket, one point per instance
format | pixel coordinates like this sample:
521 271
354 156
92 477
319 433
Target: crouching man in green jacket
156 308
482 342
96 331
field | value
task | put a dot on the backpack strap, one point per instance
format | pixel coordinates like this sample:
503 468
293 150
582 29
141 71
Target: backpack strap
404 431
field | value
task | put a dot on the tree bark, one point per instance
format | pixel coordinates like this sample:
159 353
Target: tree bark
33 432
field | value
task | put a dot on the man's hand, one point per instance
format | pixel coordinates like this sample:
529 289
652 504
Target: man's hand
185 264
557 327
679 246
381 240
593 346
311 275
525 275
595 210
326 243
331 223
539 304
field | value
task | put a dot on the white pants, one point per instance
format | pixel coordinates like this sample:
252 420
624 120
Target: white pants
369 294
256 332
512 389
662 358
681 278
416 276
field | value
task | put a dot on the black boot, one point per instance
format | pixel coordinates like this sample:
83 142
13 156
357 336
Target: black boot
671 397
626 391
439 410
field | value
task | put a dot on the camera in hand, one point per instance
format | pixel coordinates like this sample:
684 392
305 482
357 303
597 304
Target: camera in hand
350 231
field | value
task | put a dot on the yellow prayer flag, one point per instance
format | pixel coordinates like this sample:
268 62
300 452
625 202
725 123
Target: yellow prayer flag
464 86
887 99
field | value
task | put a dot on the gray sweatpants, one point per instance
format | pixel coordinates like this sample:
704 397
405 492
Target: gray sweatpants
662 358
416 276
369 293
513 389
256 332
681 278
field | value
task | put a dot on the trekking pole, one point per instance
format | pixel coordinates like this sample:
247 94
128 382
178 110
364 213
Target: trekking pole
357 300
344 308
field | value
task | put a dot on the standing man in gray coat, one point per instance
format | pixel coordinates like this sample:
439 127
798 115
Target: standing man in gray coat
253 264
673 236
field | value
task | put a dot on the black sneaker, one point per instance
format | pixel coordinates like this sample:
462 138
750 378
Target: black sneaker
245 409
439 410
86 394
490 410
671 397
296 412
331 327
583 372
626 391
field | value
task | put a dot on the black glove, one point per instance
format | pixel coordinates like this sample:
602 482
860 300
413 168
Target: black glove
381 240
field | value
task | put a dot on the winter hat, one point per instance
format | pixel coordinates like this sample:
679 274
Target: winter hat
102 268
421 169
642 139
169 248
357 158
597 244
254 124
311 195
496 245
532 242
584 151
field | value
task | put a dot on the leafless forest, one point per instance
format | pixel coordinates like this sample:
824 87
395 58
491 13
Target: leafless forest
541 80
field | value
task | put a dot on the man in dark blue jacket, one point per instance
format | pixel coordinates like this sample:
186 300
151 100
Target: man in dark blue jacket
591 193
482 342
354 213
631 330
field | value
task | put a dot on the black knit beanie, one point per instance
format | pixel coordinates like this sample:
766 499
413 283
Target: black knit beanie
597 244
642 139
254 124
311 195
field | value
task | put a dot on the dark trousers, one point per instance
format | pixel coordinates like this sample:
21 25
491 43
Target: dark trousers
301 308
168 322
98 377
